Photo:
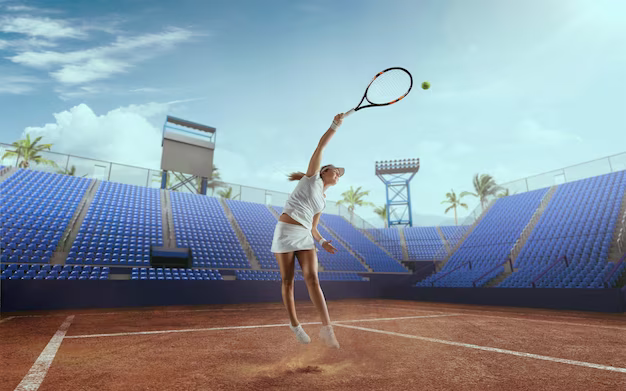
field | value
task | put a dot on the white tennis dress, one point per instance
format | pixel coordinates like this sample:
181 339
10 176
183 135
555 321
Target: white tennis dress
306 200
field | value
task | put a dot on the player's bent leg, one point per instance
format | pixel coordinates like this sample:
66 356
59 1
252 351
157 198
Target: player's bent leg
286 262
308 263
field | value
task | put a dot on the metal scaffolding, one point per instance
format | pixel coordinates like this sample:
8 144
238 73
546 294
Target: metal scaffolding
396 175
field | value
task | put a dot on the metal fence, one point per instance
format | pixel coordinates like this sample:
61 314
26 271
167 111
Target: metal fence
573 173
121 173
131 175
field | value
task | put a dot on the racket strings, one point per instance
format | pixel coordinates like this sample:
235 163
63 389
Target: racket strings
388 87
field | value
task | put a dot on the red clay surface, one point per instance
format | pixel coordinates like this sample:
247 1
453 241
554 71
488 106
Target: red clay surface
259 358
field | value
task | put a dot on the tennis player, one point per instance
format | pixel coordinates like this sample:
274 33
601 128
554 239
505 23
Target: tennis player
296 232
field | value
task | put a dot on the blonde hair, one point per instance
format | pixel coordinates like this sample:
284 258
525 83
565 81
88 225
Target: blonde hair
296 176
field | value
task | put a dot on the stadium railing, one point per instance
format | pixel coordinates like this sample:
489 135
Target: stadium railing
432 283
508 260
549 268
617 266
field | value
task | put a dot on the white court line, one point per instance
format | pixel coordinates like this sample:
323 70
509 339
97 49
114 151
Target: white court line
237 327
444 307
462 311
35 376
148 311
399 318
6 319
495 350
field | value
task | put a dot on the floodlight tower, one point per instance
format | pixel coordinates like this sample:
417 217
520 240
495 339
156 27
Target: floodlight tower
396 175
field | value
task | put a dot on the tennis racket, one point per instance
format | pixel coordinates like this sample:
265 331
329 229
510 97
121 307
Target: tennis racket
386 88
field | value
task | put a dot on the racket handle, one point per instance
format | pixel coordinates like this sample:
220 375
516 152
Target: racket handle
347 113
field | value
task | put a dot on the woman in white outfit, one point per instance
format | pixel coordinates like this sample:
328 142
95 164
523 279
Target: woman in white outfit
296 232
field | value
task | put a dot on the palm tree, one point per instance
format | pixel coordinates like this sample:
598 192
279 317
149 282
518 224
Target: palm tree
353 198
227 193
382 212
484 186
215 182
70 172
454 202
29 151
505 193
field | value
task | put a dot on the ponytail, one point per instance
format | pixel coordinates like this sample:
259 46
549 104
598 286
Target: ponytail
296 176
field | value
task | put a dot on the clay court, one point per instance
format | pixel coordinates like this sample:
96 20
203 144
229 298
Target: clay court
385 345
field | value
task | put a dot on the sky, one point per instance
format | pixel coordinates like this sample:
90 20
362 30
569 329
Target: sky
518 88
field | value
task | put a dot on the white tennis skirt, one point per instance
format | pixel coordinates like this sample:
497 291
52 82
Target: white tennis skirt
291 237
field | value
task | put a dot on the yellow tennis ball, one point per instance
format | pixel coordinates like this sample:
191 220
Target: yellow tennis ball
425 85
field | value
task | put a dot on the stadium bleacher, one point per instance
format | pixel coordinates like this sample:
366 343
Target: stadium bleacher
121 224
36 209
200 223
578 223
374 256
489 244
453 233
424 243
257 224
53 272
263 275
149 273
123 221
389 239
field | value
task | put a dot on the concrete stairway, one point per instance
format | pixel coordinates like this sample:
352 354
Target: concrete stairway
405 249
467 233
521 241
71 231
273 211
347 246
373 240
169 233
523 238
254 262
443 239
618 244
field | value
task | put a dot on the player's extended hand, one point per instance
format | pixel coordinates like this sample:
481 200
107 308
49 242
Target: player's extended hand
338 119
329 247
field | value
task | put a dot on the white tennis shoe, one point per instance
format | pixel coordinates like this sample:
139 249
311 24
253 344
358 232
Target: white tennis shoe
301 335
327 334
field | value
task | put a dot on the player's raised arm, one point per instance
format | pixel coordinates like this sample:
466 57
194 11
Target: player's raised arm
316 159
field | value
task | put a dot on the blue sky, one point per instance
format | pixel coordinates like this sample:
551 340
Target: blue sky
518 87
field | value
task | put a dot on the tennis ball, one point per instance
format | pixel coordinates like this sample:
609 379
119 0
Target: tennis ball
425 85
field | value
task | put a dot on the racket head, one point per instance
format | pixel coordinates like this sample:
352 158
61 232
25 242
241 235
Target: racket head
389 86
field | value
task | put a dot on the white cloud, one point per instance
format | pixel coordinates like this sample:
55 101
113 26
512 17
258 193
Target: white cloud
28 9
532 132
91 70
102 62
40 27
145 89
17 84
124 135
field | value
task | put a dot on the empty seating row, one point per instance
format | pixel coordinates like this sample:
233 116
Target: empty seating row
121 224
373 255
268 275
490 243
200 223
36 209
174 274
578 223
53 272
424 243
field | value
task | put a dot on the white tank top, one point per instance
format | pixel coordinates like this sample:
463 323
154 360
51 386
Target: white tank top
306 200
